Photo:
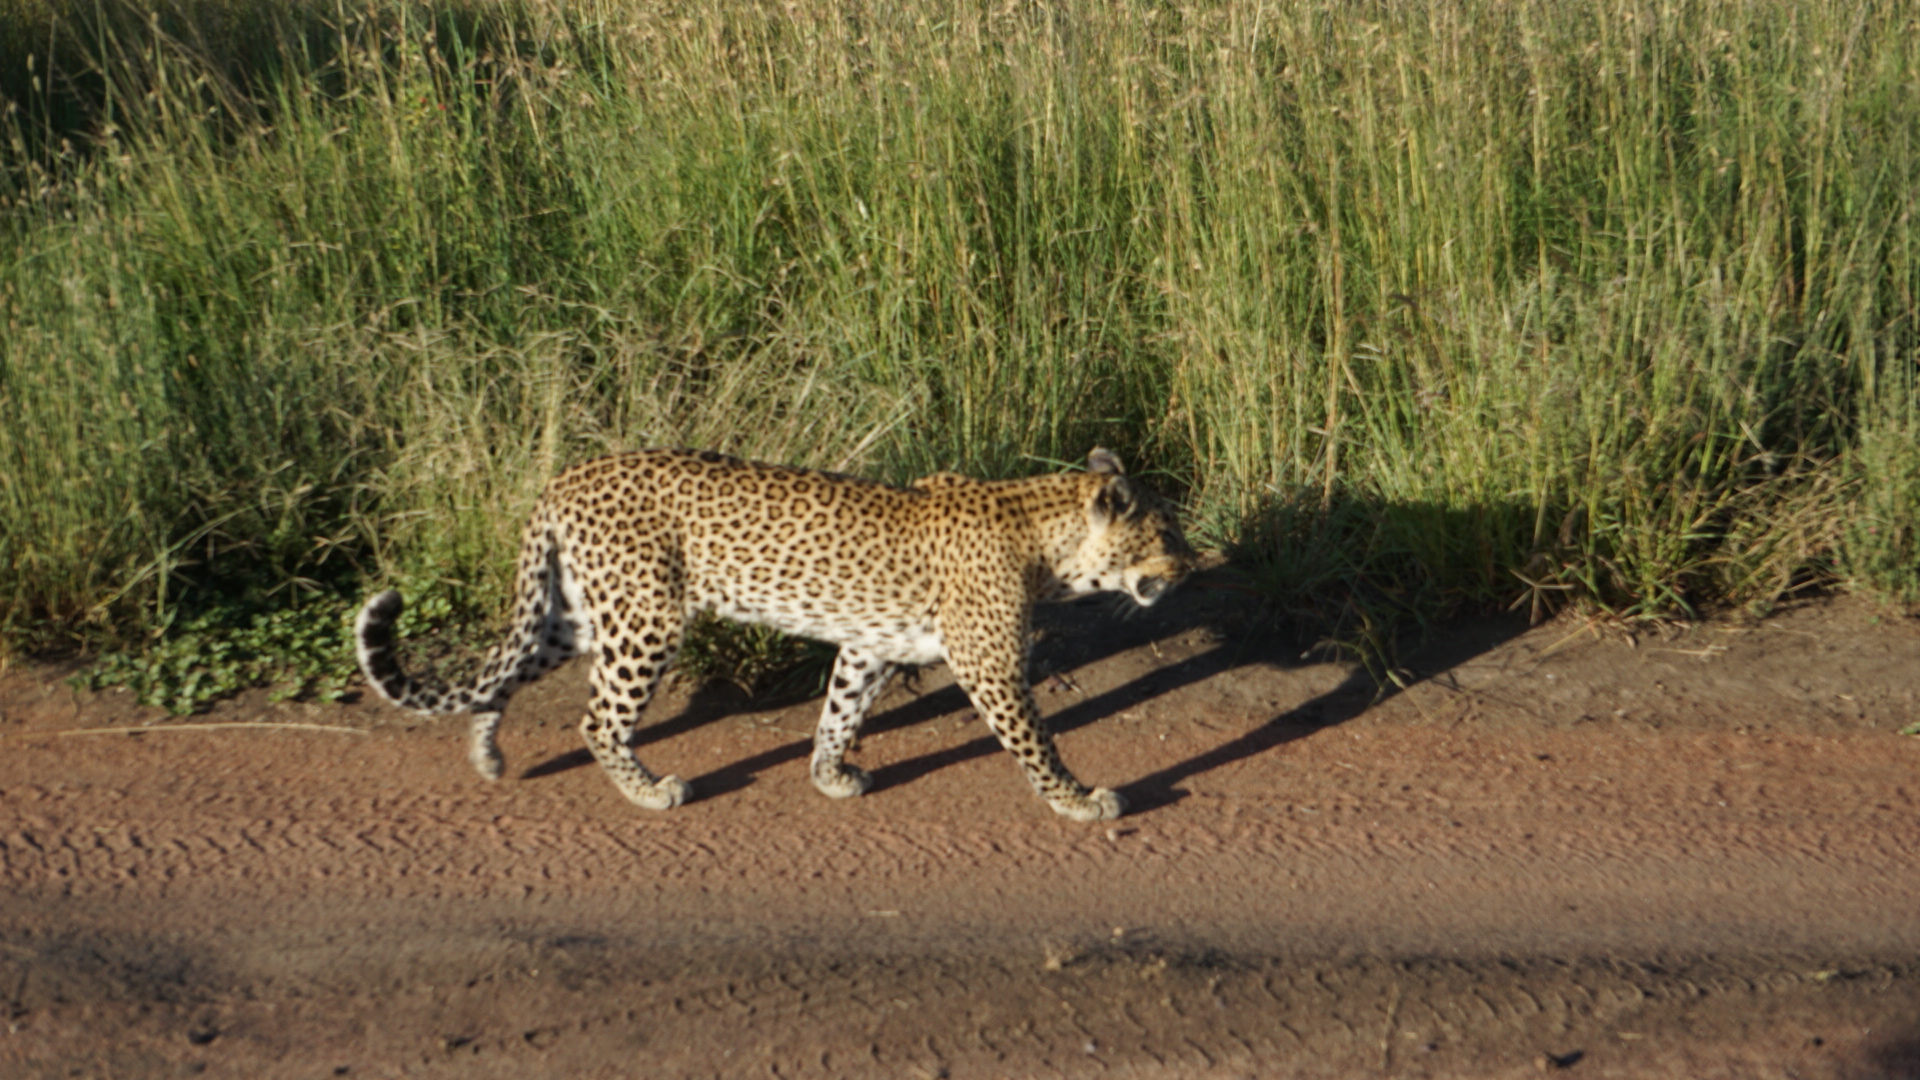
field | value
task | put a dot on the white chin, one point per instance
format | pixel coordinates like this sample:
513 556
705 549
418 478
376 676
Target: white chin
1147 590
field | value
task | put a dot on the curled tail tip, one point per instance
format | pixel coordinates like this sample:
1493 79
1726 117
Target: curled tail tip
374 631
381 610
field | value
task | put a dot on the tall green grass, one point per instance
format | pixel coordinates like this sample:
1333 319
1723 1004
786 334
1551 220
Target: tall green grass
1417 306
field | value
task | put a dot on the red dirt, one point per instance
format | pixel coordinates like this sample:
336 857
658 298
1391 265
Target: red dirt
1690 858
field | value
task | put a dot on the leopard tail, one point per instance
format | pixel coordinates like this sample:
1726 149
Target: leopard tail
547 629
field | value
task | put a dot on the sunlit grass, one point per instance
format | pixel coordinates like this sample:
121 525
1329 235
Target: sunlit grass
1418 306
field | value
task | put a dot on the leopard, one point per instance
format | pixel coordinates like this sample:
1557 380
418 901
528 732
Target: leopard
621 552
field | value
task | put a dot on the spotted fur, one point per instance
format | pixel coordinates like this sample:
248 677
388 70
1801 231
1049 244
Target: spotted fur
621 551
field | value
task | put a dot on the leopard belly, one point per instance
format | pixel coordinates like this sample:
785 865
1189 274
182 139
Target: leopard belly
893 637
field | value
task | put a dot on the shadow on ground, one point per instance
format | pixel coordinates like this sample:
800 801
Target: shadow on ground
1077 634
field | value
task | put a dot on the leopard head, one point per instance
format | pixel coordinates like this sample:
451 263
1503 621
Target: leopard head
1133 543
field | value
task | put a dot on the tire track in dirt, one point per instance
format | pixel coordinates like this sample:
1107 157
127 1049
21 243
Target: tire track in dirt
1404 892
1566 840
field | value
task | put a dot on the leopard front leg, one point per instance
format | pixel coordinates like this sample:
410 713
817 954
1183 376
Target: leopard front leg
995 679
858 678
1009 710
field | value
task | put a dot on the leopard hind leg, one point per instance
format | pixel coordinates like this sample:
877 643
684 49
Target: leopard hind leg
858 677
632 648
550 628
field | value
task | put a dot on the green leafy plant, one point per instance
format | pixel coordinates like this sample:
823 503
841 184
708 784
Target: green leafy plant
305 653
754 658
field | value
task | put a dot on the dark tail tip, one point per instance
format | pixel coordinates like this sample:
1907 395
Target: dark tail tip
378 616
374 629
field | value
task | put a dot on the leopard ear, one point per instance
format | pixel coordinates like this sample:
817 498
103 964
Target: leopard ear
1103 461
1112 502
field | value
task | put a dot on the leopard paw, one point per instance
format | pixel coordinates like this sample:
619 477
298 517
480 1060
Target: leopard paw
841 781
483 747
487 759
663 794
1100 804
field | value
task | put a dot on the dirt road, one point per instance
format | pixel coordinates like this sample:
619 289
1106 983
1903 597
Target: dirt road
1691 856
